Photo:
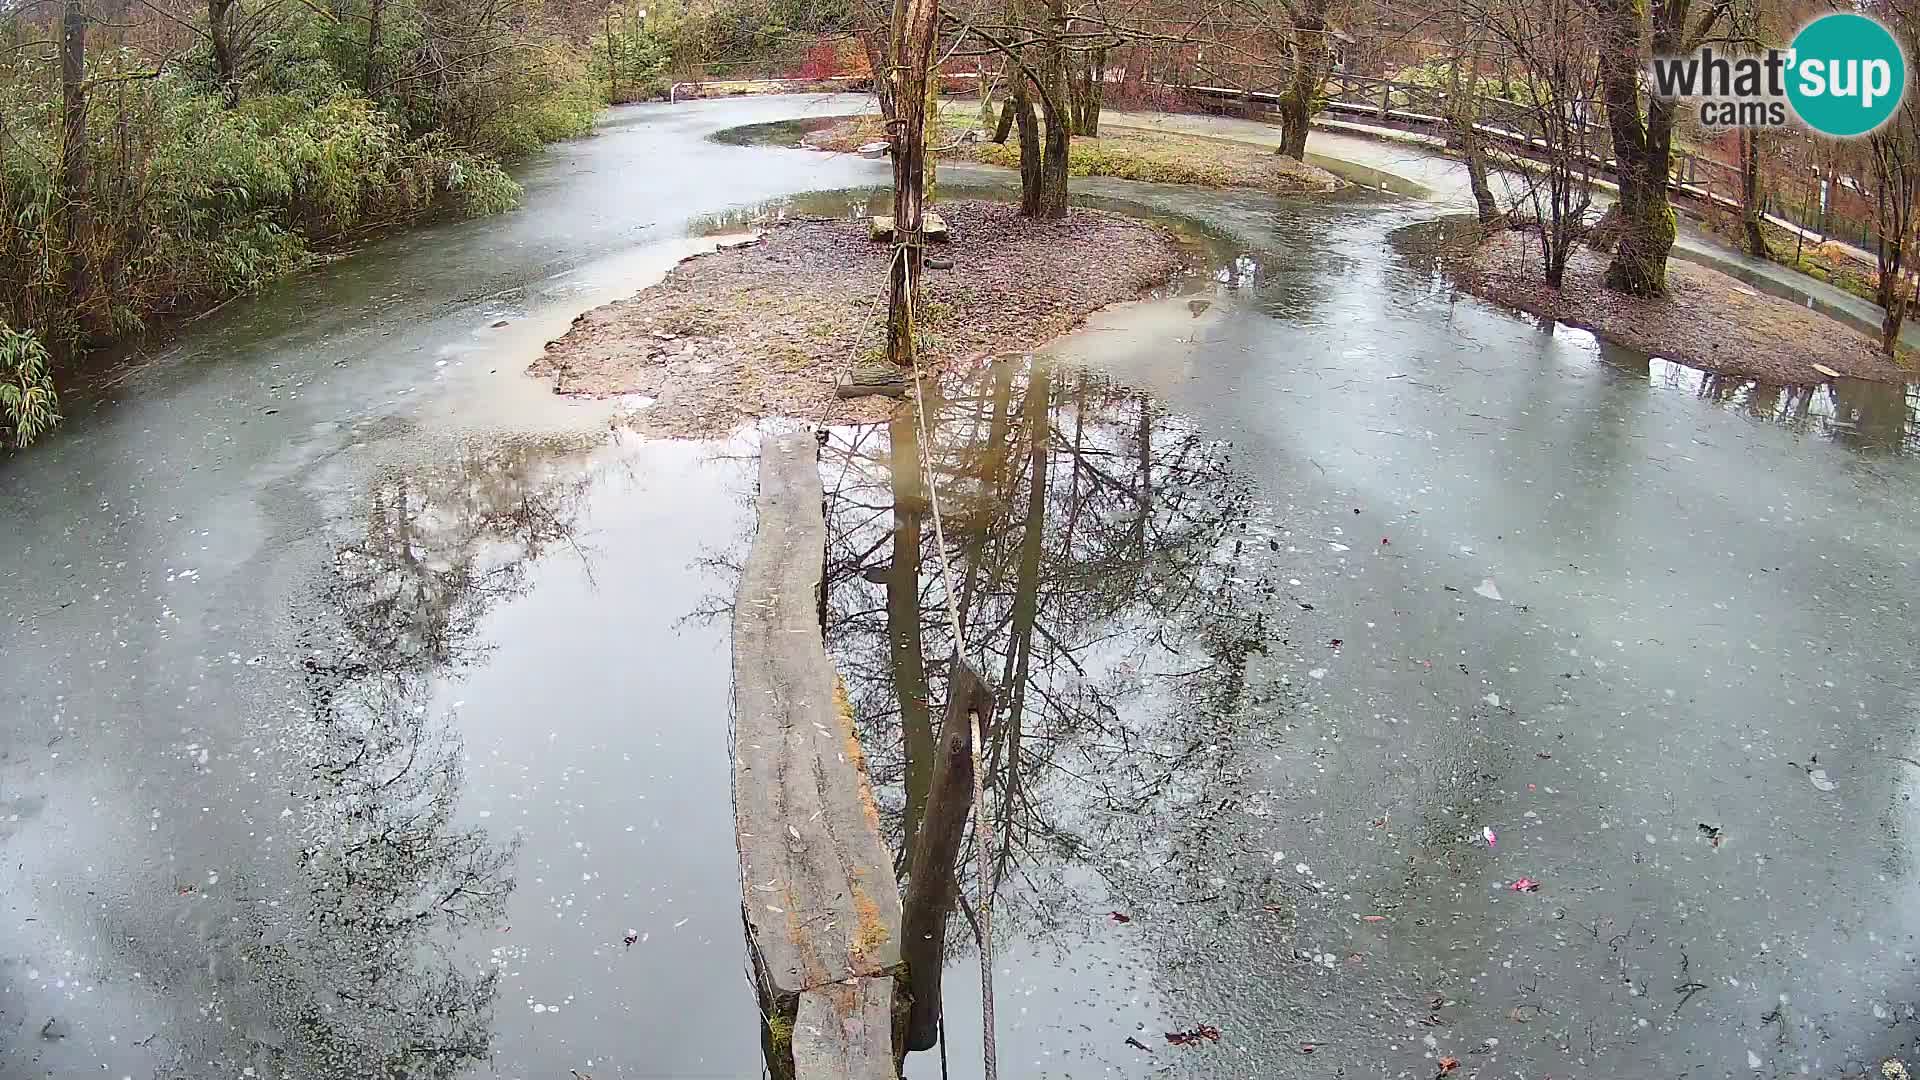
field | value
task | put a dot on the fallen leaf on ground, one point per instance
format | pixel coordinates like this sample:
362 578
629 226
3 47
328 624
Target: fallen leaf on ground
1131 1041
1195 1034
631 937
1118 917
1448 1064
1525 885
1486 832
1373 918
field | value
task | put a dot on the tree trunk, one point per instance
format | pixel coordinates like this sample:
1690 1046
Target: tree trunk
932 884
76 208
1030 148
1310 57
1750 194
1891 322
375 9
220 29
1642 155
1464 120
913 25
1896 189
1051 205
1005 127
1133 78
1089 80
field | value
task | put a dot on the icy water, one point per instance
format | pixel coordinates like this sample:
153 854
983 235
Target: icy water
362 702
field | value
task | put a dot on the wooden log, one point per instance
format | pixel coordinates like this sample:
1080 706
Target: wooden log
932 885
821 906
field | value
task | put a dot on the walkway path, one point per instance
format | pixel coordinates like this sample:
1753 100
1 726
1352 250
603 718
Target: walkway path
1419 158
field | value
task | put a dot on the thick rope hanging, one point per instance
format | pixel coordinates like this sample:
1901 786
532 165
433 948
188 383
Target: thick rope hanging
982 828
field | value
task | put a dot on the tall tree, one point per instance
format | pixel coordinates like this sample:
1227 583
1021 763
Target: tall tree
914 22
76 209
1895 154
1553 42
1309 50
220 37
1642 137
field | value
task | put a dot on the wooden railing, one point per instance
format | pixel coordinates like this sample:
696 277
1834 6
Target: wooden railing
1705 184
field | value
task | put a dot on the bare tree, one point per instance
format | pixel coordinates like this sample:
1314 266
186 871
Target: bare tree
907 77
1895 154
1553 44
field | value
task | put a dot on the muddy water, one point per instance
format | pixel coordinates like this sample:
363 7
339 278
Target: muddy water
338 746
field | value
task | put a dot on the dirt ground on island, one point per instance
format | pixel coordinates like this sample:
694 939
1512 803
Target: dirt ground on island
1708 320
764 330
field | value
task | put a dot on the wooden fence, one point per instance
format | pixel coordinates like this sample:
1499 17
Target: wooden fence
1704 184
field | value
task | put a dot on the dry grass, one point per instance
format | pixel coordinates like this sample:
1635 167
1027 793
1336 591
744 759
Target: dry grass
1153 157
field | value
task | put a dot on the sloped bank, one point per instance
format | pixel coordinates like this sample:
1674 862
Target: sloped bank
763 329
1708 320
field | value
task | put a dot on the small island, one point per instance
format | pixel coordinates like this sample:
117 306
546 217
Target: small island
764 328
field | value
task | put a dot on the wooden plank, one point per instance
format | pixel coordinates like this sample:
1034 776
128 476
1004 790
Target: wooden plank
818 892
844 1031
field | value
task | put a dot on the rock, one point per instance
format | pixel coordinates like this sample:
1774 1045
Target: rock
880 227
870 378
934 262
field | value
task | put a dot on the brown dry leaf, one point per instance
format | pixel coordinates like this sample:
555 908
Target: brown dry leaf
1195 1034
1448 1064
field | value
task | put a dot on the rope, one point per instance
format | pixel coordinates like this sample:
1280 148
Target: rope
982 827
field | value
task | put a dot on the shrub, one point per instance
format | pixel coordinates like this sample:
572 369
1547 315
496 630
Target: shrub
28 404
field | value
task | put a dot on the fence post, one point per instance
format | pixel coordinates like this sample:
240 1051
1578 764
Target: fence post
1386 95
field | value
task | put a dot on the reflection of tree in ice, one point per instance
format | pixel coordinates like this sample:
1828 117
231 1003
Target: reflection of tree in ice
1106 578
360 979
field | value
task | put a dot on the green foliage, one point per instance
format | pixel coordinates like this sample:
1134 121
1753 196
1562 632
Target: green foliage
190 200
28 404
629 58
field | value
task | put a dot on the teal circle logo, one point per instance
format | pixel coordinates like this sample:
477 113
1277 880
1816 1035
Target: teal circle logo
1848 75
